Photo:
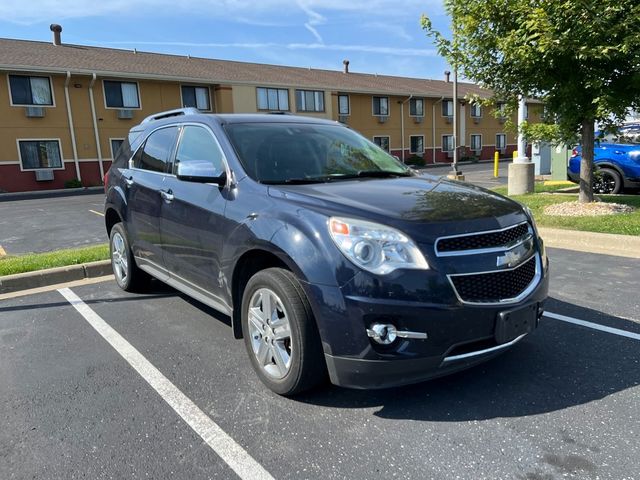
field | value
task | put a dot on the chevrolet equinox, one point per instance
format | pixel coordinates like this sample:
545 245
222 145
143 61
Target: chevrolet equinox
330 256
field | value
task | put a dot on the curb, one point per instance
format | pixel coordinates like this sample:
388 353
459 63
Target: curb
591 242
52 276
67 192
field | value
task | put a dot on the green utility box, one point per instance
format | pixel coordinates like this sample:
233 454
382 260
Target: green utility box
559 161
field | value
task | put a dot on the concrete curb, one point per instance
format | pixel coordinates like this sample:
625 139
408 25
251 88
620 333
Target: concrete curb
590 242
66 192
52 276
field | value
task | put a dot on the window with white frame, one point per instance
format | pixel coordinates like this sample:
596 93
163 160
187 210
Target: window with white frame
382 142
196 97
526 111
36 154
121 94
447 108
447 143
343 105
500 107
476 110
310 100
501 141
116 143
28 90
416 107
381 106
273 99
476 142
417 144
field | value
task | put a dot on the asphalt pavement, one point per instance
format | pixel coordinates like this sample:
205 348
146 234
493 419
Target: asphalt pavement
79 403
44 224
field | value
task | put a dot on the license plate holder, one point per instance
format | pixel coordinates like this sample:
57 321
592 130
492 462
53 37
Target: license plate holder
511 324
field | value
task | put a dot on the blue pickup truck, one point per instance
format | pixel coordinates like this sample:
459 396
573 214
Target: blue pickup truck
616 158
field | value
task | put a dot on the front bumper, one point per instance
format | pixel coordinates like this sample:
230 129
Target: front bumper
458 335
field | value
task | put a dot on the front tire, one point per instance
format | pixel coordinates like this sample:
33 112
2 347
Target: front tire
128 276
607 180
280 333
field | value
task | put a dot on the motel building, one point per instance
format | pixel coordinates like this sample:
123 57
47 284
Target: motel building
65 109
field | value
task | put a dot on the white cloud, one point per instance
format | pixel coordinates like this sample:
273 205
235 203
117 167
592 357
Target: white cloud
35 11
407 52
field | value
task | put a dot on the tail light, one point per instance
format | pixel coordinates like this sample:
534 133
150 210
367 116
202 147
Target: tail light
105 181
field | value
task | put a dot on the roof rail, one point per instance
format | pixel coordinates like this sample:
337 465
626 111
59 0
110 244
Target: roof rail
171 113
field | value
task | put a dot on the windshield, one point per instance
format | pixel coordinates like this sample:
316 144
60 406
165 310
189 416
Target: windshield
629 134
305 153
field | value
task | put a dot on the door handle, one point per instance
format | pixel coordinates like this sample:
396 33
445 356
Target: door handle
129 181
167 195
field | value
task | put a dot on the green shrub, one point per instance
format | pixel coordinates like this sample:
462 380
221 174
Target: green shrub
415 160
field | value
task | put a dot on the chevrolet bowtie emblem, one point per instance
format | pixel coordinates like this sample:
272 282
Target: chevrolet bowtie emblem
510 258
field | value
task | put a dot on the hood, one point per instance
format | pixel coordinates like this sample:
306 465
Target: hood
409 203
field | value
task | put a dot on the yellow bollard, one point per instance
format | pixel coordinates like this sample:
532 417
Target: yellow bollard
515 154
496 157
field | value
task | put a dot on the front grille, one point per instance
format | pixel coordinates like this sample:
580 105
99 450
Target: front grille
483 240
494 287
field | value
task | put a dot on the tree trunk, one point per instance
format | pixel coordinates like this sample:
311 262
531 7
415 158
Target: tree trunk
586 163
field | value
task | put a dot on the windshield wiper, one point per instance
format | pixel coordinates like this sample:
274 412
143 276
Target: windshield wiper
370 174
297 181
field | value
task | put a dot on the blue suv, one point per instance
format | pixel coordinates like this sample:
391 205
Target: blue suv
616 158
331 258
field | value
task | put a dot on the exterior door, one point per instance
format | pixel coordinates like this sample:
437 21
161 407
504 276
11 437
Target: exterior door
193 221
145 184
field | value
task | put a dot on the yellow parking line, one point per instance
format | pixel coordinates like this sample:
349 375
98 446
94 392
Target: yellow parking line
2 252
97 213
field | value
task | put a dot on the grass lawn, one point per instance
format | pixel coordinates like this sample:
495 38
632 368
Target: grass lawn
59 258
624 224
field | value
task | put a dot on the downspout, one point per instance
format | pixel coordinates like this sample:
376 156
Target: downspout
95 125
402 122
433 128
71 129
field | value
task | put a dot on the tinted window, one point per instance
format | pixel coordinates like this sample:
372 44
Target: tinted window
198 144
276 153
157 150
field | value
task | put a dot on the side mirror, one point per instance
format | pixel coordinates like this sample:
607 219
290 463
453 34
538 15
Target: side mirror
200 171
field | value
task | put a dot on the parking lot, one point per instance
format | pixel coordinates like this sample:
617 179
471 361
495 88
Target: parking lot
120 385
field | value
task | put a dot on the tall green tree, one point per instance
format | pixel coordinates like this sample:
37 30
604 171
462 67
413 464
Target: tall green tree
581 57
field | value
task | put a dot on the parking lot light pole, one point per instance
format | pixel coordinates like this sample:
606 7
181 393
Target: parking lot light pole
455 173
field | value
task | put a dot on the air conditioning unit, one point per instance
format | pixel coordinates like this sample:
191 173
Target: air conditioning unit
343 118
502 119
125 114
476 120
449 119
450 154
44 175
382 119
418 119
34 112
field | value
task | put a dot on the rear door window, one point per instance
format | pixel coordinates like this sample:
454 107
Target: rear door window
156 153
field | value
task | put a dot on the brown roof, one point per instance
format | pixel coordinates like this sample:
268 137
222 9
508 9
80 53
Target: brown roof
44 56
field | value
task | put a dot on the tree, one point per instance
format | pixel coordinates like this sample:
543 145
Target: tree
581 57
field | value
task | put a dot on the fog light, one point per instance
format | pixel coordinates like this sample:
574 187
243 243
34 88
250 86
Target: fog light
383 333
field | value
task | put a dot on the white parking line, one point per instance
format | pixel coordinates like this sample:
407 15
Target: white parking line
233 454
97 213
595 326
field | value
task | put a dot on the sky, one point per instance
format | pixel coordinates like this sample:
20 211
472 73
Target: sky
376 36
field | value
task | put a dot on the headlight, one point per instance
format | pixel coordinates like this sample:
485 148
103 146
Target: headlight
376 248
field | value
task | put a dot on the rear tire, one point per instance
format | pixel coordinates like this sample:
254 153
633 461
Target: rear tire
280 333
128 276
607 180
